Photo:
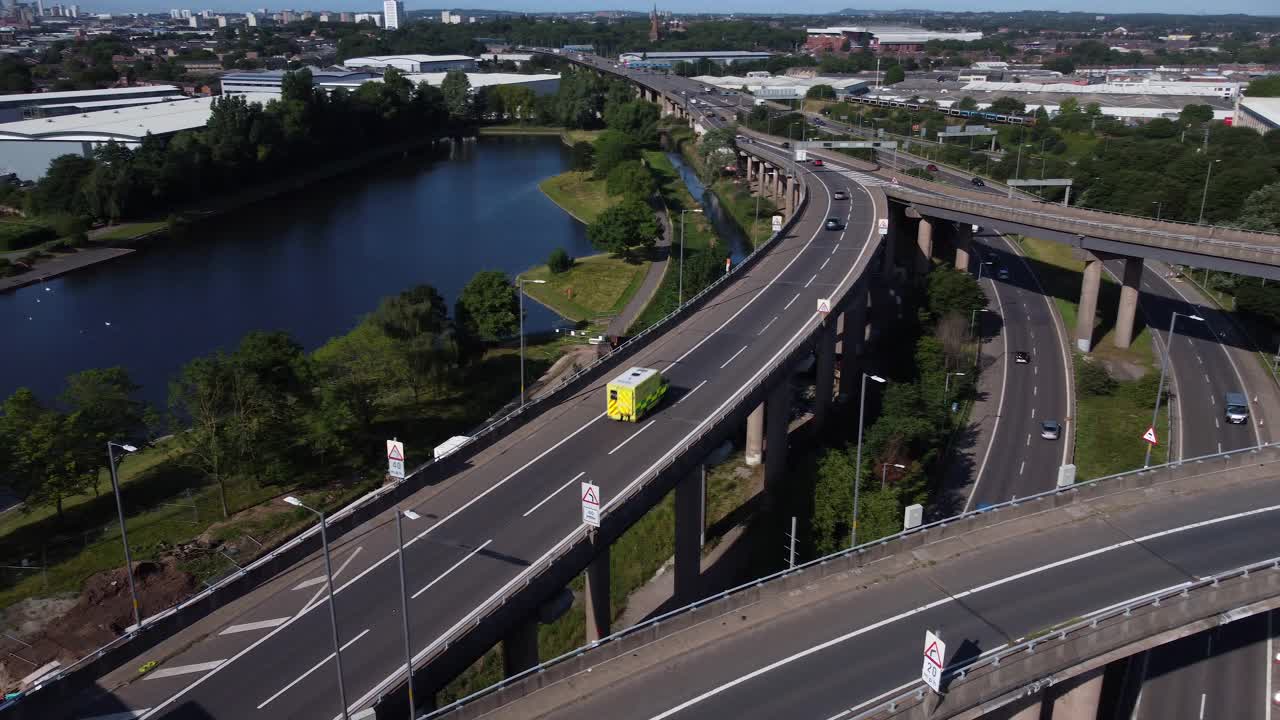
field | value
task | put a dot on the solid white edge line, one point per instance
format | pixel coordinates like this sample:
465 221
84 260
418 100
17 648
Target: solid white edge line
1270 668
555 492
733 357
1004 380
634 434
452 567
314 668
950 599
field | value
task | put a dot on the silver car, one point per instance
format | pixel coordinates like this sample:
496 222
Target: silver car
1050 429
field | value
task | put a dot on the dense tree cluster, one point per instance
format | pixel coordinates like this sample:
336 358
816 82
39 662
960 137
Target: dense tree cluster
241 140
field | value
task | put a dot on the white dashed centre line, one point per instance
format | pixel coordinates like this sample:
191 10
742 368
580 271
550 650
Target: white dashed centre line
452 567
1022 466
315 667
824 265
554 493
766 326
815 277
634 434
694 390
725 365
788 305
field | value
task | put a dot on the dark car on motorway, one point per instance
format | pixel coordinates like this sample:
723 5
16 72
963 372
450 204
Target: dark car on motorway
834 224
785 144
931 167
1022 357
977 182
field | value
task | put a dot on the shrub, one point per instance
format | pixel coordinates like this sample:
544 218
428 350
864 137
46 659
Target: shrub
560 261
1093 379
79 240
65 225
17 235
582 156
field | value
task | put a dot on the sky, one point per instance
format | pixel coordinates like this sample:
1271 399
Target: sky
1253 7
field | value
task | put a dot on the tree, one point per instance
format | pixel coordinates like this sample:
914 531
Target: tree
1062 65
1261 210
15 76
611 148
48 450
631 179
637 119
895 74
201 394
1196 114
106 411
1268 86
626 229
356 374
457 94
821 92
488 307
560 261
967 103
59 190
581 156
1008 106
833 501
20 412
417 320
954 290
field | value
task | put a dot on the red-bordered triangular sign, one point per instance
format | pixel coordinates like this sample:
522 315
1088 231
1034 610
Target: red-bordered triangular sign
589 497
1150 436
394 452
933 655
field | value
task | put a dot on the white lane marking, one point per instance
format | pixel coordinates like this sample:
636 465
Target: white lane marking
1202 697
734 357
251 626
1212 400
875 699
553 494
452 567
1198 358
1035 369
834 249
128 715
320 580
1215 423
788 305
314 668
824 265
1266 700
646 427
815 277
1206 378
695 389
813 650
338 572
183 669
1035 390
1022 467
1004 378
766 326
1028 439
1219 448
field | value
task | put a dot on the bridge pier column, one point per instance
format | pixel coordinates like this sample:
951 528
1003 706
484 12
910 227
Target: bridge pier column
964 242
690 519
1088 307
779 179
795 191
777 418
924 247
755 436
853 333
826 369
1128 301
596 595
788 188
520 647
1079 696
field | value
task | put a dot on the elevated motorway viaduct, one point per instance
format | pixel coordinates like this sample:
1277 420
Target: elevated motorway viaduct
1032 598
501 532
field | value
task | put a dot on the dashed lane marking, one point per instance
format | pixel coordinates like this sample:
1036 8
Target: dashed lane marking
184 669
259 625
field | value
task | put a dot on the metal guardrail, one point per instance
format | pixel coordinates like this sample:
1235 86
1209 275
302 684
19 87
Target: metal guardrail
1088 621
670 458
501 421
801 568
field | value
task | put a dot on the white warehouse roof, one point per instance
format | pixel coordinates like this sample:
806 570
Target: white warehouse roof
126 125
72 95
383 59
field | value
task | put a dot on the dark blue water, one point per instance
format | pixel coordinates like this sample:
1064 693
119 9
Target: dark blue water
310 263
721 221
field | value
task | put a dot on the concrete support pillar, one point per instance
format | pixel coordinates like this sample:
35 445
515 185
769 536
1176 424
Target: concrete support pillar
596 595
690 514
777 418
1088 307
1077 698
520 647
789 196
964 241
1128 301
755 436
779 178
826 369
924 246
853 335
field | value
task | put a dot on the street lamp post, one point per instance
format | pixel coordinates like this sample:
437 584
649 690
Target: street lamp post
857 472
884 469
520 282
680 285
1159 207
1205 195
333 614
404 605
1164 368
124 536
977 341
946 385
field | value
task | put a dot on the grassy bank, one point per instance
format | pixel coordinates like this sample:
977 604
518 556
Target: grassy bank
596 286
1108 425
578 194
128 231
741 206
518 129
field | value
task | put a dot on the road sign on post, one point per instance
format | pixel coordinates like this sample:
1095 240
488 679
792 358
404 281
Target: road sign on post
591 504
935 653
777 223
883 224
824 305
395 459
1150 436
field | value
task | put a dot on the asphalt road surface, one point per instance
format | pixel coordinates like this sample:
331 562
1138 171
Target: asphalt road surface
516 501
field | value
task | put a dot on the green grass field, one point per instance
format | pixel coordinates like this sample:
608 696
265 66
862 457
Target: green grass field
596 285
578 194
129 231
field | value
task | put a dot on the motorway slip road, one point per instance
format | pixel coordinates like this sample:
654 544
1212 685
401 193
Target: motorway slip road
272 656
827 649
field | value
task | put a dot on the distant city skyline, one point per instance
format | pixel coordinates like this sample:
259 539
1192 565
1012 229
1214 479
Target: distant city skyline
1101 7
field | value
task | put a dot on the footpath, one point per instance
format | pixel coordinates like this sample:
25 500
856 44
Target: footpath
61 265
652 281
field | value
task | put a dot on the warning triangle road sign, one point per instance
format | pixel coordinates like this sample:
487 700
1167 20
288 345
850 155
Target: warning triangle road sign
1150 436
395 450
590 497
933 654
